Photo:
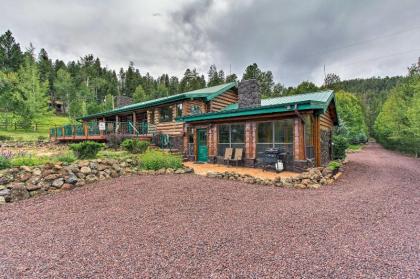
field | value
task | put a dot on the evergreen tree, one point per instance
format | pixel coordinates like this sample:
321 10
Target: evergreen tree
33 99
231 78
139 95
11 56
331 79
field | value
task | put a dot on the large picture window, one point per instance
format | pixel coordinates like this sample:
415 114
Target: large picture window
230 135
179 110
165 114
278 133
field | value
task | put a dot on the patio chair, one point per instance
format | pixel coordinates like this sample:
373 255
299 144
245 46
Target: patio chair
238 156
228 155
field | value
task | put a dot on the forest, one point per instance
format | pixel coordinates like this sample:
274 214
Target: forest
386 108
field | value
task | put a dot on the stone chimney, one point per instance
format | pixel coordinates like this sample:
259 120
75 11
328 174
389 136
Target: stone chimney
123 101
249 94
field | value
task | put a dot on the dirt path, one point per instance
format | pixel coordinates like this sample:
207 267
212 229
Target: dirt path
366 225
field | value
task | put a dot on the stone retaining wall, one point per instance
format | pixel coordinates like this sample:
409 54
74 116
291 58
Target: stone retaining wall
312 179
25 182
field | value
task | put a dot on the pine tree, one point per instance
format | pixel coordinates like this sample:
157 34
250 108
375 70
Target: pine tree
33 99
139 95
11 56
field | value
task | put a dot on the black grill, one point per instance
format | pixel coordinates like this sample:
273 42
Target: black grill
272 155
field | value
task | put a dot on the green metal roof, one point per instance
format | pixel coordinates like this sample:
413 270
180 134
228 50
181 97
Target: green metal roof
207 93
309 101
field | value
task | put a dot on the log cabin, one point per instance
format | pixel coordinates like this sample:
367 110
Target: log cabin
202 123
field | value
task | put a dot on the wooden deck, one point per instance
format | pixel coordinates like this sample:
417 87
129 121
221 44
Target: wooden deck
100 138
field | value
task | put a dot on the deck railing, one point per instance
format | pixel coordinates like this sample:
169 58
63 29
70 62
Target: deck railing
92 130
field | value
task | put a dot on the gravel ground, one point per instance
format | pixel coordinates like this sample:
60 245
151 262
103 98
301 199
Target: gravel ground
366 225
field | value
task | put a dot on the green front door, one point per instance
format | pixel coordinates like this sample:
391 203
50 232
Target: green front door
202 148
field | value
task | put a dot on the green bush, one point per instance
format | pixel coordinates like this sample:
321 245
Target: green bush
29 160
135 146
340 144
86 149
154 160
66 158
4 163
334 165
42 138
5 137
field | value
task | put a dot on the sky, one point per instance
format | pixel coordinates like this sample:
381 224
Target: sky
293 39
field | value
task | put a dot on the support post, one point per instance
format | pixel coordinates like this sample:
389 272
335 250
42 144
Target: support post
134 123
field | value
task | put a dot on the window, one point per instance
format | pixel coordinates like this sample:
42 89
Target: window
195 109
179 110
308 134
230 135
277 134
165 114
190 133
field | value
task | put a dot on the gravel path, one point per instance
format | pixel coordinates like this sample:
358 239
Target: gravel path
366 225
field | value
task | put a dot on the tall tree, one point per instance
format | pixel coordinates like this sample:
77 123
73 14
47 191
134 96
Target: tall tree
231 78
139 95
33 99
331 79
11 56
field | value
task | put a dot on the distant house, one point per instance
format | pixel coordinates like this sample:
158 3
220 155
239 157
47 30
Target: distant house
203 123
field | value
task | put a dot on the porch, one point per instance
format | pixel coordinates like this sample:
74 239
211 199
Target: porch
99 131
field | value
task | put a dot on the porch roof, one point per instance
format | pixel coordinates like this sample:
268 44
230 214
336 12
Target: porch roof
207 94
318 101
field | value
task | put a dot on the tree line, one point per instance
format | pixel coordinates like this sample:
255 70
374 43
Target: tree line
28 81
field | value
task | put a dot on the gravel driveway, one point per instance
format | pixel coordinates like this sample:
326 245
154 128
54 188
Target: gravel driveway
366 225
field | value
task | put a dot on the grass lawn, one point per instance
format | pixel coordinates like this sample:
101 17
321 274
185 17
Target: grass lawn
43 129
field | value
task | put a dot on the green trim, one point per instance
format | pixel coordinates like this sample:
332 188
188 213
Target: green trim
207 93
319 106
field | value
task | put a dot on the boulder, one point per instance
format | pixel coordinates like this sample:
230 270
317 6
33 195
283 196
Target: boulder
19 193
170 171
180 171
91 178
113 174
80 182
52 176
189 170
211 174
6 179
36 172
101 167
85 170
4 192
33 187
2 200
25 176
116 167
161 171
37 192
67 187
25 168
58 182
93 165
72 179
314 186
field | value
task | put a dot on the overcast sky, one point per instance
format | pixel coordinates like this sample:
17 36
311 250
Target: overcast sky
293 39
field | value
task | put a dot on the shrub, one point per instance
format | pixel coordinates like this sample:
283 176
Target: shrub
340 144
5 137
334 165
4 163
135 146
42 138
154 160
114 140
86 149
66 158
28 160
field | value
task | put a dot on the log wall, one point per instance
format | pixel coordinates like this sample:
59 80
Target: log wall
220 102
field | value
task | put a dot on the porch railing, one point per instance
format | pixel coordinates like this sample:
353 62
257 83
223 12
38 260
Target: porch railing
92 129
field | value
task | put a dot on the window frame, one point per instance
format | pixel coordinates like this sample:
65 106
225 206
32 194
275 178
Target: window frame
274 143
179 109
170 110
230 143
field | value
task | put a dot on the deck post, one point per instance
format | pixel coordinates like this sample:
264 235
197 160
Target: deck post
101 132
116 128
85 129
298 140
134 123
